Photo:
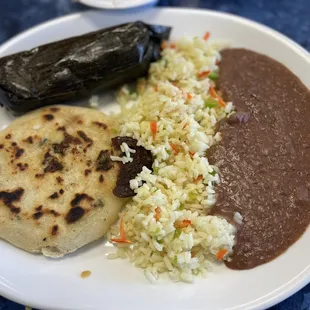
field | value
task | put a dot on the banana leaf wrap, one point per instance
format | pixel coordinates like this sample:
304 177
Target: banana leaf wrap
74 68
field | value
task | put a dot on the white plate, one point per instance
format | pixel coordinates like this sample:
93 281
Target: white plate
117 4
115 285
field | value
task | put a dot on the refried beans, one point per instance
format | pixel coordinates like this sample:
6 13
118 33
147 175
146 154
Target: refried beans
264 156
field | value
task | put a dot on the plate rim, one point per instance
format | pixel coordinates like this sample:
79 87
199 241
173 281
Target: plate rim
274 33
97 4
281 293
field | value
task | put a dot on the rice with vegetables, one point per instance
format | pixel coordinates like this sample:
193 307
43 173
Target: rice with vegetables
166 226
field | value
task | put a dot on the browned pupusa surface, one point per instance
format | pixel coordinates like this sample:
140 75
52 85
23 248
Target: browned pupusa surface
57 180
264 156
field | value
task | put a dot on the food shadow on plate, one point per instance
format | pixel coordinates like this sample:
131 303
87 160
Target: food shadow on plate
86 248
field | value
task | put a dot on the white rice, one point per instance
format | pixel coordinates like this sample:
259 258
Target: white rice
128 151
238 218
112 256
180 190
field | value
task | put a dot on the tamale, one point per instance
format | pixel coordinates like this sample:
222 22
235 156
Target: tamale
74 68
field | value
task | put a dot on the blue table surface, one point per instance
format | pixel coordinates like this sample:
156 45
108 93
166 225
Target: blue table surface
291 17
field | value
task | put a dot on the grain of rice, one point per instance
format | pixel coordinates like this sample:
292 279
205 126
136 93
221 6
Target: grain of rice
112 256
150 276
121 253
238 218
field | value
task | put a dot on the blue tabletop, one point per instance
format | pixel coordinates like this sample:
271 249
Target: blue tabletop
291 17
